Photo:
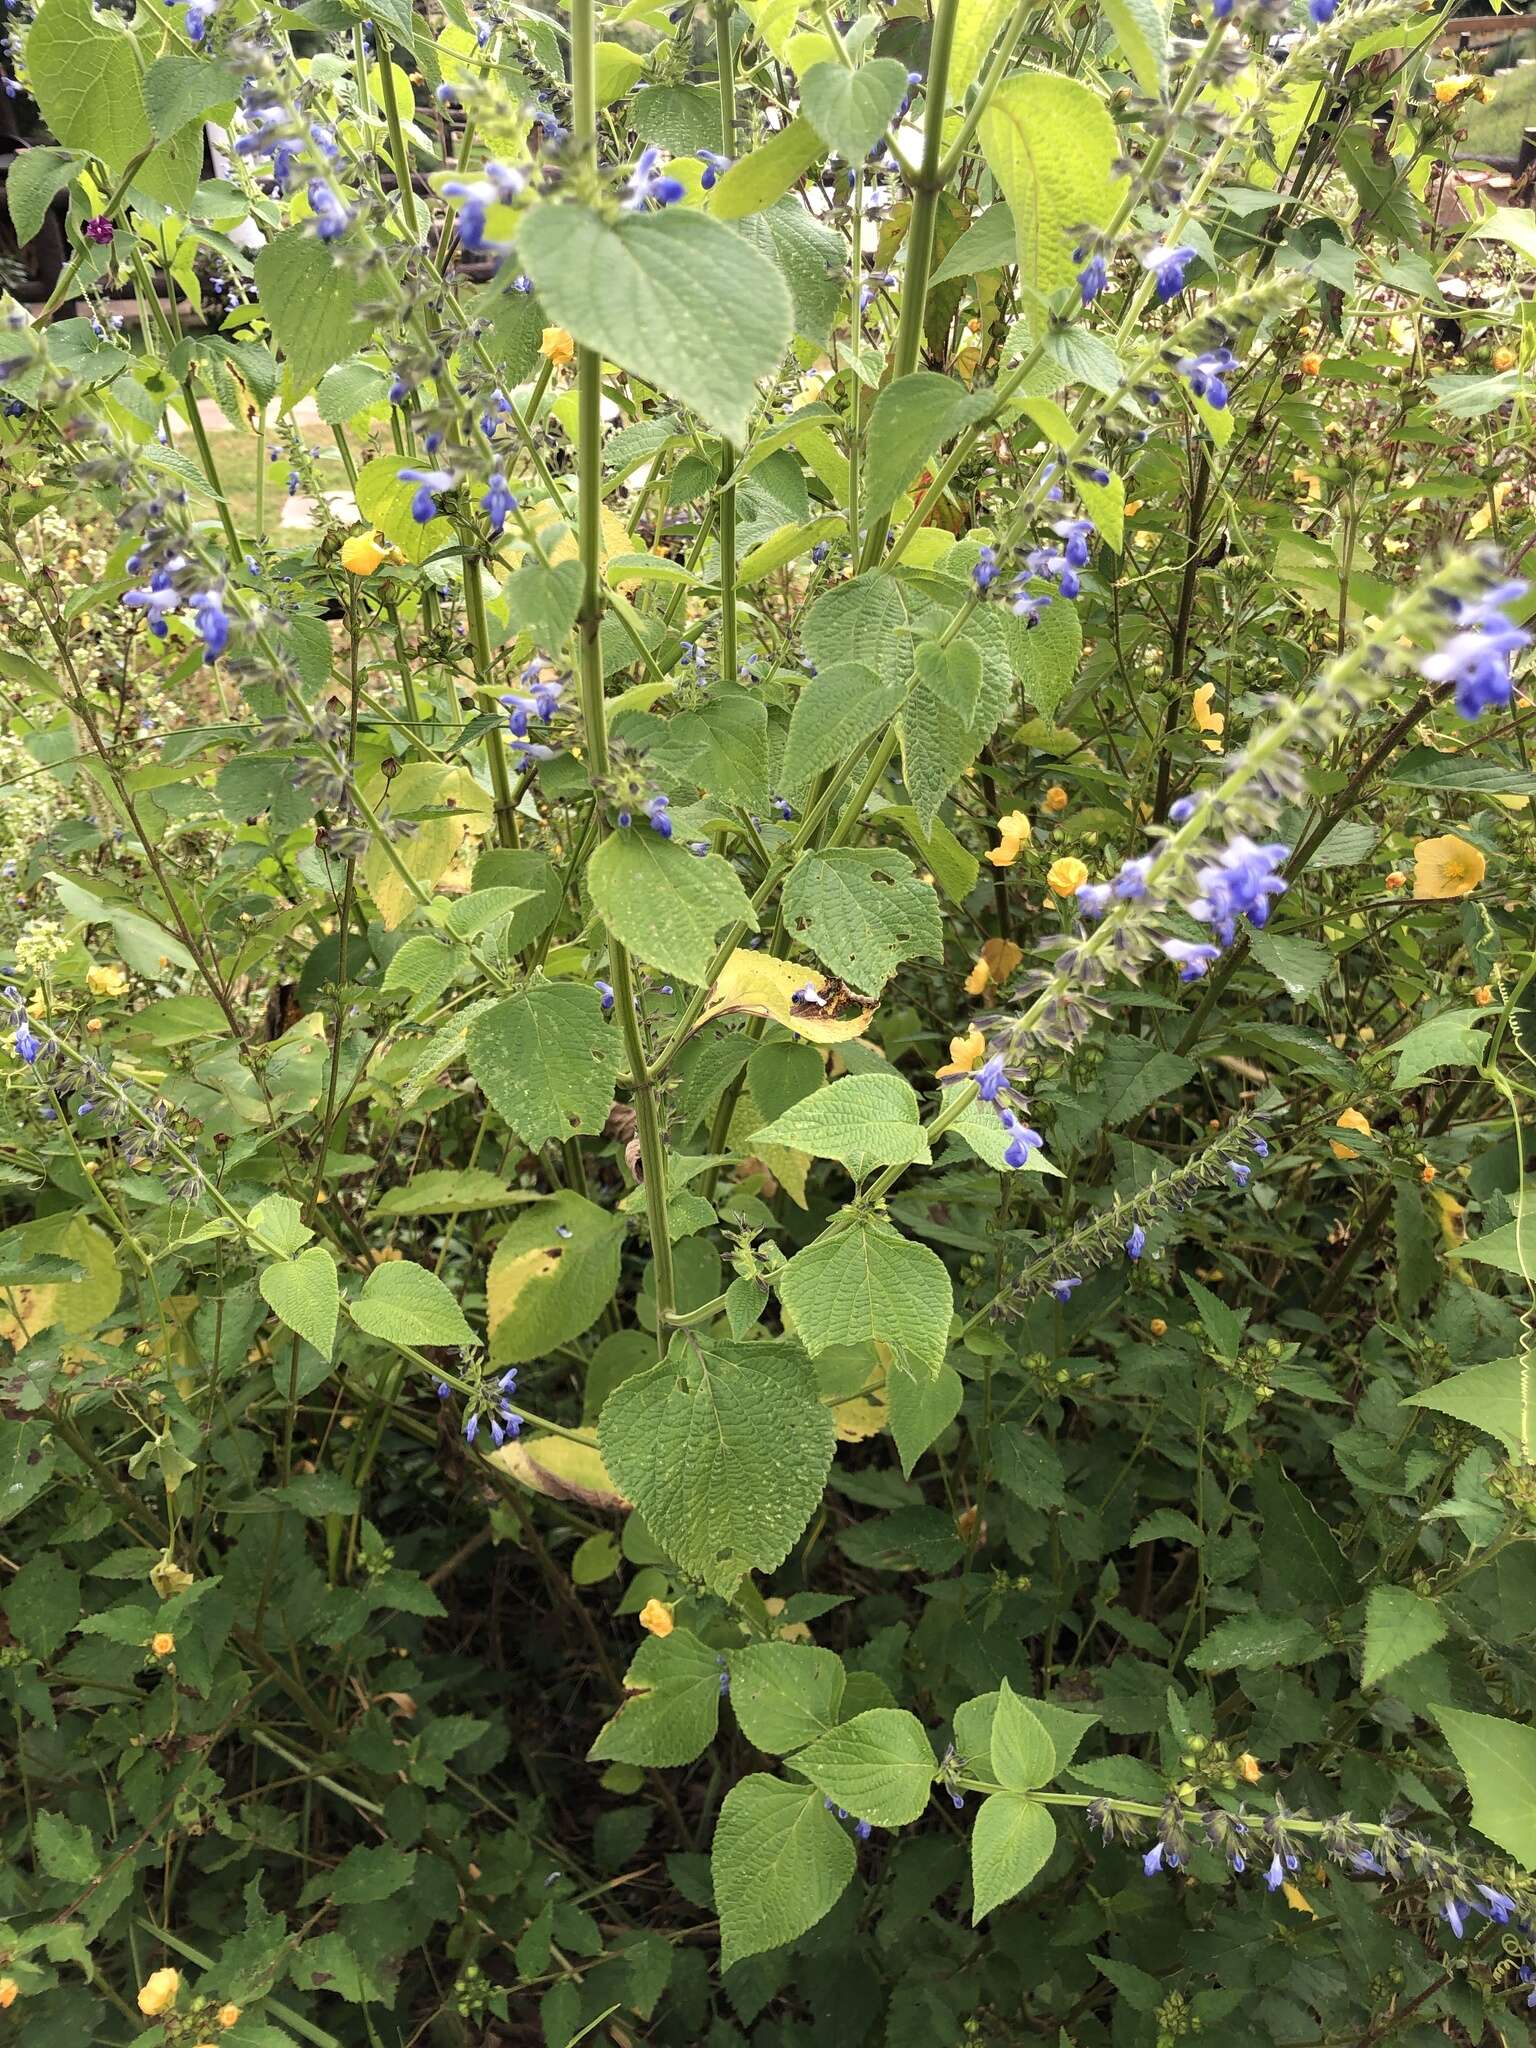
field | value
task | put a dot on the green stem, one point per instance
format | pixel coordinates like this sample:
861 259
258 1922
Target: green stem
397 148
496 738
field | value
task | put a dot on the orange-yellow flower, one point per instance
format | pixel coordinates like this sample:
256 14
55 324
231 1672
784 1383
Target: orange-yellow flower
1505 358
1013 834
1446 866
9 1991
965 1054
1158 1327
1396 879
1055 800
109 980
1311 363
656 1618
1066 876
1348 1120
163 1644
158 1993
1482 996
557 346
1207 721
979 979
228 2015
1428 1175
1001 956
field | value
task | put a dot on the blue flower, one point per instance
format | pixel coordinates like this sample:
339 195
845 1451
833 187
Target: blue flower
1136 1243
212 623
430 482
1206 375
648 186
985 571
1322 12
1152 1862
1274 1877
1168 267
154 600
991 1079
1260 1148
605 990
28 1044
1022 1141
332 219
1239 882
1362 1859
1181 810
1075 533
783 807
1476 657
1454 1911
1130 885
1240 1173
1063 1288
820 552
656 811
1093 277
715 166
1191 960
498 501
1500 1906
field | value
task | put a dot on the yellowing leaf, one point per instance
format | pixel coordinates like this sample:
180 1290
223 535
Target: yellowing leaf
761 985
560 1469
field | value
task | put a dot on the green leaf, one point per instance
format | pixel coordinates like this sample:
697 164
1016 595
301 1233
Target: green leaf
34 177
304 1294
1301 1553
1449 1040
364 1876
920 1410
835 713
671 1707
1223 1326
85 72
386 503
785 545
1011 1842
405 1304
309 297
28 1456
866 1283
1023 1755
445 1191
976 27
810 255
1299 965
548 1060
180 90
725 747
349 388
878 1767
675 297
318 1494
761 178
1258 1642
954 866
977 1128
1499 1397
864 1121
862 911
1498 1761
785 1694
780 1862
1399 1624
1142 34
553 1274
65 1849
1051 145
542 601
1422 768
665 904
1511 1248
851 110
724 1449
989 243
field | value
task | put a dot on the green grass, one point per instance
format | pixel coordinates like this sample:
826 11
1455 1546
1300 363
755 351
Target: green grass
1496 130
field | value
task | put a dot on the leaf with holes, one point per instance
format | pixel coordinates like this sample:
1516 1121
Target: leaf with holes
553 1274
862 911
547 1059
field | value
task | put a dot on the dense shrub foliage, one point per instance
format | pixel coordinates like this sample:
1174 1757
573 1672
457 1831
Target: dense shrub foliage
765 952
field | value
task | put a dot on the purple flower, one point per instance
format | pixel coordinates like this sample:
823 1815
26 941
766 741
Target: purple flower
498 501
99 229
1206 375
1274 1877
1260 1148
1075 533
991 1079
332 219
1240 882
1500 1906
1322 12
985 571
1093 277
1181 810
1476 657
1454 1911
715 167
1063 1288
1240 1173
1168 267
212 623
605 990
28 1044
1136 1243
656 810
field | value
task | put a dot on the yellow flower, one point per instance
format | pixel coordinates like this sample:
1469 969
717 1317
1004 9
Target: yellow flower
977 980
1013 834
557 346
1428 1175
159 1994
1396 879
163 1645
1448 89
9 1990
1001 956
1055 800
1066 876
1248 1768
106 981
1482 996
1446 866
361 553
1158 1327
1505 358
1311 363
228 2015
656 1617
1349 1120
1205 719
964 1054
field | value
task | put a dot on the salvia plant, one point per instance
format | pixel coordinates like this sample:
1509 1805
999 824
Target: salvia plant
766 977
